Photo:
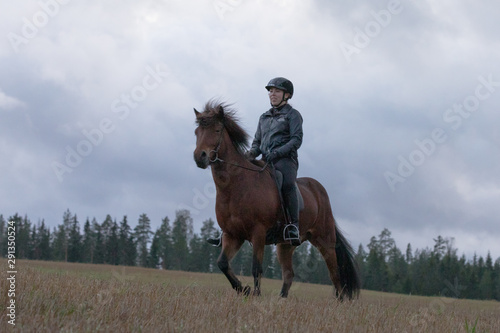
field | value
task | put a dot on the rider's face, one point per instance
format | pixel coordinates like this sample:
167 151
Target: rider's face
276 97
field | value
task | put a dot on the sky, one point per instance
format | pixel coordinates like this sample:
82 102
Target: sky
400 104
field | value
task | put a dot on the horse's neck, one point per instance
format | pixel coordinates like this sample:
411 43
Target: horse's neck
230 171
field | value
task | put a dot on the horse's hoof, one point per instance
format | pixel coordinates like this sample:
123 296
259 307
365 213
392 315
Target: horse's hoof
256 292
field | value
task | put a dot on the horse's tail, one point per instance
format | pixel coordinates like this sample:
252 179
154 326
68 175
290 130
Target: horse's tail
348 268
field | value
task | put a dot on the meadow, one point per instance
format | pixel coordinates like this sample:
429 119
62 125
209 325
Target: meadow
66 297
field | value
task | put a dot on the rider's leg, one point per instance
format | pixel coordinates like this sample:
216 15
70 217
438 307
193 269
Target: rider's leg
288 168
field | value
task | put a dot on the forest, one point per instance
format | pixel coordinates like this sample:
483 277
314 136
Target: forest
437 271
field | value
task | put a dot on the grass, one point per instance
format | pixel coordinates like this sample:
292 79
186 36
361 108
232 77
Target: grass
64 297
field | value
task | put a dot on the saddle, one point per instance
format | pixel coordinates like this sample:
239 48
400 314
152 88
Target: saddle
275 234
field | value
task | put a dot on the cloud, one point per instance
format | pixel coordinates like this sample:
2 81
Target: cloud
8 102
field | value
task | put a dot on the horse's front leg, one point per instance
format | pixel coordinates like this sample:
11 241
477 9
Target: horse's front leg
258 242
230 247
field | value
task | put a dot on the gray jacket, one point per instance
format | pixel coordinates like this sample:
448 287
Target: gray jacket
279 130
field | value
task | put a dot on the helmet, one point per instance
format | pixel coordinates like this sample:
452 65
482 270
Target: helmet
281 83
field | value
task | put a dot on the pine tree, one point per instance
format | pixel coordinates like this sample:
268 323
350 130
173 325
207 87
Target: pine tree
450 268
196 258
398 272
487 282
106 227
316 267
486 286
209 253
99 256
409 254
88 243
40 242
23 236
496 279
67 222
376 273
154 258
182 228
74 241
142 234
360 258
59 243
386 242
126 244
44 242
112 244
165 237
440 245
434 279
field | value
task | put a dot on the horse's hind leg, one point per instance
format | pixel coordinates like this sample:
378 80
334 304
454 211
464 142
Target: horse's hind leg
230 247
285 254
328 252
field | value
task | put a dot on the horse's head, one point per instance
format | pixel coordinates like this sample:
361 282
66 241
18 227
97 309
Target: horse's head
215 123
208 134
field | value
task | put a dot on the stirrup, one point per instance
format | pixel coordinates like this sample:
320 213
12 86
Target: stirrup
217 242
286 234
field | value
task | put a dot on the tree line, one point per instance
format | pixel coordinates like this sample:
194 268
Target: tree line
430 271
175 246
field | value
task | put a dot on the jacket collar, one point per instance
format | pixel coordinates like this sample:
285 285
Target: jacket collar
282 109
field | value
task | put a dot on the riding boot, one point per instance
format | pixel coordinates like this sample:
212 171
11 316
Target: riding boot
292 205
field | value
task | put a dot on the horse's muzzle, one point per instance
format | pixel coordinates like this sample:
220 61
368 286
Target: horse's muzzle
201 159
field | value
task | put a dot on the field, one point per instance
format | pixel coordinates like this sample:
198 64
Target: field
64 297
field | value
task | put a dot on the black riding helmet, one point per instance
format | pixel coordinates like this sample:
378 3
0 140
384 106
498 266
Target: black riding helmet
281 83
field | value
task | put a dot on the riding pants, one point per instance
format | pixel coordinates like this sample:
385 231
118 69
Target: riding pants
288 167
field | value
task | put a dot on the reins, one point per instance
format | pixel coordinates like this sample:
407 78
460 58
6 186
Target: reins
217 159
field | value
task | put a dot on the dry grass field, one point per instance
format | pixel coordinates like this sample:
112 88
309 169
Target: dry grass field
63 297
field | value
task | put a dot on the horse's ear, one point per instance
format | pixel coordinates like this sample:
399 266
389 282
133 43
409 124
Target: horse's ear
196 113
221 112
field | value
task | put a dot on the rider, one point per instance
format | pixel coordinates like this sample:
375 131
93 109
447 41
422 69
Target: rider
278 137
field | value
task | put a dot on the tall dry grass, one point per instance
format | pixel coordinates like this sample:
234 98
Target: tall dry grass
61 297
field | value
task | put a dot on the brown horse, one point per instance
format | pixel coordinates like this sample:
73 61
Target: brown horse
248 206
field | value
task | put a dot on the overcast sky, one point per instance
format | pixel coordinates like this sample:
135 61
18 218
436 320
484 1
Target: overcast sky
400 101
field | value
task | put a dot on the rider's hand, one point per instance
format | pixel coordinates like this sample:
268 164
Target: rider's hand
272 157
250 155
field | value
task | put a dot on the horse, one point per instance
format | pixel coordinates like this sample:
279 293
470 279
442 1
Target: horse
248 207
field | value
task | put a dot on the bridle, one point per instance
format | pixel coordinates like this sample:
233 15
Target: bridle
218 159
216 150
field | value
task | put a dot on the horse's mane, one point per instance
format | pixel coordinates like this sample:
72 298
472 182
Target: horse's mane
217 111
